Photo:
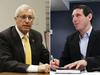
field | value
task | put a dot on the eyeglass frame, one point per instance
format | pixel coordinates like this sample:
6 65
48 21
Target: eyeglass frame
24 17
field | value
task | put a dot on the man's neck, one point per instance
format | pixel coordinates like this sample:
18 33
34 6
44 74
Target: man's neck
84 31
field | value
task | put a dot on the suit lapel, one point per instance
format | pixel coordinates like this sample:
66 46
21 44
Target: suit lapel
75 47
92 39
18 43
32 42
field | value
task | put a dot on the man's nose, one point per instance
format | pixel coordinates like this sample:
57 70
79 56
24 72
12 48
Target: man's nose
74 19
27 19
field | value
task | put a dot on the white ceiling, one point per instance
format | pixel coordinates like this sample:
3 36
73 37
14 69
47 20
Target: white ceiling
58 5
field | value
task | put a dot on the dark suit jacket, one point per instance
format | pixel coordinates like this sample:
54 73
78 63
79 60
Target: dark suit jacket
12 56
72 52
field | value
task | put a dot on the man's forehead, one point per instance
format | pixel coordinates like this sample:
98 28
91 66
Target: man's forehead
77 11
26 11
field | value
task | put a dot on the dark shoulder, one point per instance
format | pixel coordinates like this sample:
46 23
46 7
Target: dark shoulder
34 31
96 30
6 35
73 35
35 35
7 31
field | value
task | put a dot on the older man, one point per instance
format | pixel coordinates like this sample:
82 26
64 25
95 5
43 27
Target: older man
21 47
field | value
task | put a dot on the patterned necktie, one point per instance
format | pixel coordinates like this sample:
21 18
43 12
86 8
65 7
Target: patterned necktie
28 58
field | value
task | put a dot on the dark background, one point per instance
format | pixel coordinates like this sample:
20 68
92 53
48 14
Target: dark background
62 26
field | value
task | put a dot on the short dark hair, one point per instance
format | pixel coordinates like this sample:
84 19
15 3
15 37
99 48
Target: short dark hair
86 10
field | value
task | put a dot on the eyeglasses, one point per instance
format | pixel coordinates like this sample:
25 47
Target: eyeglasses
24 17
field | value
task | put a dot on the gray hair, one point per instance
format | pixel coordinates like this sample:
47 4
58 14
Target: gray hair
24 6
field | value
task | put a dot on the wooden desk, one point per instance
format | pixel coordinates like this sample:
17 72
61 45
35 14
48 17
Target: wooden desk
11 73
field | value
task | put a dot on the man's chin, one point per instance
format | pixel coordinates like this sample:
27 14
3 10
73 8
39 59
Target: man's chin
77 28
25 31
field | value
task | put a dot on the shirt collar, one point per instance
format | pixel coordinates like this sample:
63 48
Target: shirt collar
20 33
87 34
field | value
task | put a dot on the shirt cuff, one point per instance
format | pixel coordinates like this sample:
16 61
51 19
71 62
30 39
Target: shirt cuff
32 68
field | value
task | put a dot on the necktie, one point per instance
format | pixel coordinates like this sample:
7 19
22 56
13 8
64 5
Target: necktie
27 50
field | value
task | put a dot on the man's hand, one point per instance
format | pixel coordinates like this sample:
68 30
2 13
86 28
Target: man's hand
44 68
79 64
54 64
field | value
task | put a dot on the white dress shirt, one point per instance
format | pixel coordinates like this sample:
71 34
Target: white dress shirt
31 68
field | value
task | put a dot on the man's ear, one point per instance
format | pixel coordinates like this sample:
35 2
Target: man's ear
90 16
15 18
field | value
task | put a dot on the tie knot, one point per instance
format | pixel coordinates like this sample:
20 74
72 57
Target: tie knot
25 37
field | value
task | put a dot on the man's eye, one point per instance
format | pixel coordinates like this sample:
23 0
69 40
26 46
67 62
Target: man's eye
23 17
72 16
29 17
78 15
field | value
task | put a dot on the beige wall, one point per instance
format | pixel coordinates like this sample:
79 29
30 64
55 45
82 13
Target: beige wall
8 8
